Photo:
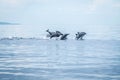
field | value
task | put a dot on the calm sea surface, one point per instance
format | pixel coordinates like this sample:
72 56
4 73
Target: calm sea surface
59 60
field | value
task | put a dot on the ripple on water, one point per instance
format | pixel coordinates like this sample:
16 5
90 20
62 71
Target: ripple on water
60 60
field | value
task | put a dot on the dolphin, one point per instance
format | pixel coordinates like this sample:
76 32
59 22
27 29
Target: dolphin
64 37
53 34
80 35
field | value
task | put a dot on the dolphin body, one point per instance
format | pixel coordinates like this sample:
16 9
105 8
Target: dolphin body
64 37
80 35
53 34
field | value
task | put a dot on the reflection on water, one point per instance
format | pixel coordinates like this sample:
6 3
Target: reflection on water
59 60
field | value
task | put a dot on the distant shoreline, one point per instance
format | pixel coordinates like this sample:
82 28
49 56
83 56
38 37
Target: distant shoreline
8 23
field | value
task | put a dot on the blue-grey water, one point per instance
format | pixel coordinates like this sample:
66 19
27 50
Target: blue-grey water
60 60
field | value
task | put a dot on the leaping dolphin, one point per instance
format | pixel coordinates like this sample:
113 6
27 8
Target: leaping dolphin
53 34
64 37
80 35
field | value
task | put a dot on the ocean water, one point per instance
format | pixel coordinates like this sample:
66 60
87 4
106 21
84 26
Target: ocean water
90 59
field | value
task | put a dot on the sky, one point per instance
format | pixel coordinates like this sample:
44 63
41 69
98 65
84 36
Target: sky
60 13
101 12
